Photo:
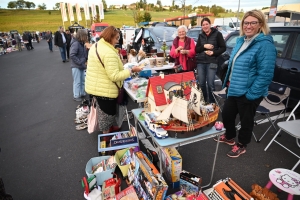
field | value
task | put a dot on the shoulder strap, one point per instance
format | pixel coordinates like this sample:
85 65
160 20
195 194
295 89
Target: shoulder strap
99 56
103 64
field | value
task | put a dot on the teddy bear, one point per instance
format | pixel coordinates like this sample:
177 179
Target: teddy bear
132 57
141 55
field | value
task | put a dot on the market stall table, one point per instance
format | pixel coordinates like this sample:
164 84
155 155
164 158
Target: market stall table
177 142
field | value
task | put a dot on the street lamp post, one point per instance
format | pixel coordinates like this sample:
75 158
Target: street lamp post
237 16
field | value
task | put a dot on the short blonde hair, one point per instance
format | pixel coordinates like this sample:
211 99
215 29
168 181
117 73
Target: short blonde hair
261 19
182 27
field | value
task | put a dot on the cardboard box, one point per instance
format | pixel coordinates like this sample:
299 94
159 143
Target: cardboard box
121 154
190 183
148 182
172 165
127 193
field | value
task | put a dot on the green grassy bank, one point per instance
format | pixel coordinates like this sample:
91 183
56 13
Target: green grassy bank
40 20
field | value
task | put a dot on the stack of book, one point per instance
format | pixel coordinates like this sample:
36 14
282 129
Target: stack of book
104 165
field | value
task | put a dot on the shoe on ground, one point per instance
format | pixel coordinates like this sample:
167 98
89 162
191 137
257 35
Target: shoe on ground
224 140
64 61
236 151
77 99
67 60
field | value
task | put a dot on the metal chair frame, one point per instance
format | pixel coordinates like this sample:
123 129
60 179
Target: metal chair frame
290 130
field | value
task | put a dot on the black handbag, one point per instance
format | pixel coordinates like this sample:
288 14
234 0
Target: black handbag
122 96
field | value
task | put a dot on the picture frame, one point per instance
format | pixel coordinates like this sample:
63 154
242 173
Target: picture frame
159 89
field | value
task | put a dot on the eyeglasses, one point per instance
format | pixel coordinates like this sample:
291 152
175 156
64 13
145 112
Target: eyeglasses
251 23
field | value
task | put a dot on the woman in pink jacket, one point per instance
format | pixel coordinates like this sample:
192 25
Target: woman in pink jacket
183 50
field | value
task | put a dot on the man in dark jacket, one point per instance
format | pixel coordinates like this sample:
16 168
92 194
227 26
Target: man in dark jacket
68 38
61 42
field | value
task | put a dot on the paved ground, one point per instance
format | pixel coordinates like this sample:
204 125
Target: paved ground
44 157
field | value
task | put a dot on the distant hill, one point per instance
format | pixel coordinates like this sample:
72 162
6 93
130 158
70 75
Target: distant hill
40 20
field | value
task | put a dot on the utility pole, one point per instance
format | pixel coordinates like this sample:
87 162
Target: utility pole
183 12
273 11
237 17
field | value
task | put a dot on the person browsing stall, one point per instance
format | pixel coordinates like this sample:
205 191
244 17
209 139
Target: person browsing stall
183 47
210 45
250 72
100 79
78 55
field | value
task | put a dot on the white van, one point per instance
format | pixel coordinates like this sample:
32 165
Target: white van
128 35
232 22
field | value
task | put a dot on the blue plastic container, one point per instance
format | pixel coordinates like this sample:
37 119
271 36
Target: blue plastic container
100 176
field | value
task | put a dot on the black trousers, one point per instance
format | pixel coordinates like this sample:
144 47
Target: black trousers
246 110
68 51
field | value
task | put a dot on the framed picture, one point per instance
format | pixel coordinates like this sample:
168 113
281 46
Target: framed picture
159 89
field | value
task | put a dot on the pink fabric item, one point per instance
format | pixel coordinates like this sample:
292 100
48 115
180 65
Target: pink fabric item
92 118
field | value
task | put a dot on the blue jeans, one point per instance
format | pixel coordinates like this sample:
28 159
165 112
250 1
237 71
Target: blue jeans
78 82
63 52
50 45
206 74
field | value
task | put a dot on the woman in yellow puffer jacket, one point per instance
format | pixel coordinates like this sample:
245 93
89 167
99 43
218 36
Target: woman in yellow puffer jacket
100 80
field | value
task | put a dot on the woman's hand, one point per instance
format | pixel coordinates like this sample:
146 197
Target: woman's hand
136 69
179 49
184 51
209 53
209 46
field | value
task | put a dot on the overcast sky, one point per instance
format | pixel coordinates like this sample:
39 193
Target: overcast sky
228 4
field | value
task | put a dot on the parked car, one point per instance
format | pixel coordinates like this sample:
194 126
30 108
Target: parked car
194 33
155 36
287 69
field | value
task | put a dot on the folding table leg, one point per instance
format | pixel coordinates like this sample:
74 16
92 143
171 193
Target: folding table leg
214 162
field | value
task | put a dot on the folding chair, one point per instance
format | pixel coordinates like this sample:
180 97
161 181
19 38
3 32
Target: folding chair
219 97
292 128
273 103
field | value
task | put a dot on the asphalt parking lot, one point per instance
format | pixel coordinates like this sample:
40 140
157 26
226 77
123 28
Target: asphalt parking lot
43 156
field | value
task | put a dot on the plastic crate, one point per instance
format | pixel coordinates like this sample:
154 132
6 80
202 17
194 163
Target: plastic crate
100 176
133 142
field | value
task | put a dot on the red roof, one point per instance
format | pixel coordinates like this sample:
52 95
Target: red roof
155 81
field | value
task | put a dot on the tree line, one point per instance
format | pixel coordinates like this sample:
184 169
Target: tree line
20 4
141 5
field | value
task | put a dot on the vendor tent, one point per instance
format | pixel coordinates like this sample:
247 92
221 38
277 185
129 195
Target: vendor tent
74 27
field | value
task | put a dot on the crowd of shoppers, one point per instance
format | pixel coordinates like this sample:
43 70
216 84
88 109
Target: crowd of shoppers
250 70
